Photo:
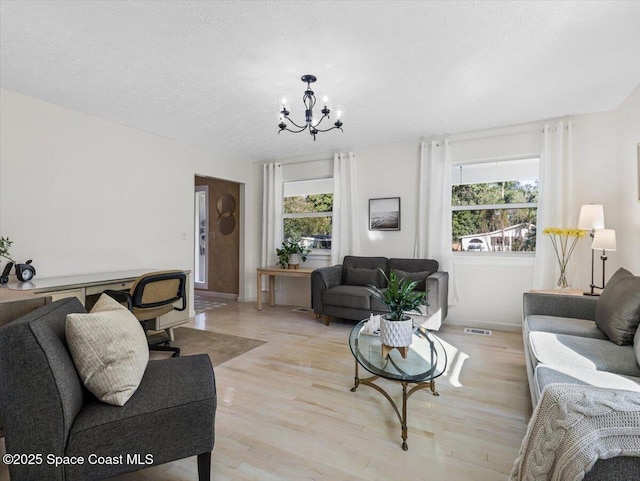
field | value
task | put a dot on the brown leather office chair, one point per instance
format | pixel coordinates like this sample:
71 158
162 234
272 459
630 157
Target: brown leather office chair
153 295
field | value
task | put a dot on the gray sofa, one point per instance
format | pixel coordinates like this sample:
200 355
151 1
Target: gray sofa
46 409
572 339
341 290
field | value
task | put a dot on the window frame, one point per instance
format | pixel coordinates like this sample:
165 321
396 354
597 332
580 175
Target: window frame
482 207
315 253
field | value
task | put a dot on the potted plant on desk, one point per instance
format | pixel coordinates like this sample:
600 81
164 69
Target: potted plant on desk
396 327
291 254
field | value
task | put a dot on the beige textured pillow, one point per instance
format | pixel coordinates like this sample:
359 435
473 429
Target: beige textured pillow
109 349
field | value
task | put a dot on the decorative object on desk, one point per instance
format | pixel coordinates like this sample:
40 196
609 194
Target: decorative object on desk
564 248
291 254
400 296
5 244
5 273
591 219
25 272
384 214
604 239
312 122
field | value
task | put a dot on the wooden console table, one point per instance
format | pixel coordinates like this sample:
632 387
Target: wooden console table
274 271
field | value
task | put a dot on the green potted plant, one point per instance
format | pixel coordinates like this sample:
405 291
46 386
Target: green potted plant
400 296
291 254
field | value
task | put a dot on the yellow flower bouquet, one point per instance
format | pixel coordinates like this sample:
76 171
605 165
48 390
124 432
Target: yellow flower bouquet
564 247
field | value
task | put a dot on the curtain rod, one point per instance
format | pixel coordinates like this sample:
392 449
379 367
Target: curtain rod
476 135
304 161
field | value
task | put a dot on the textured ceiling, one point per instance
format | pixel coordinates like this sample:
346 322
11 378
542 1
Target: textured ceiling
210 73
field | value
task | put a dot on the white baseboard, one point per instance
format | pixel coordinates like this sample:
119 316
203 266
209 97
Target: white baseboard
224 295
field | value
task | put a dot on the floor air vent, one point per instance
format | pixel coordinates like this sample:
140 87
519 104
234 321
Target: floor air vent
301 309
480 332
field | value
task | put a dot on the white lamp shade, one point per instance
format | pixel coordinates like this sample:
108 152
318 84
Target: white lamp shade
604 239
591 217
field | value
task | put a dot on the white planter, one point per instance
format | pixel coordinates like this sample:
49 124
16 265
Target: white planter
295 259
396 333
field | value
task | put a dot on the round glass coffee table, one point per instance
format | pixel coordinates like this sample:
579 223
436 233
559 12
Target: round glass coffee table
425 361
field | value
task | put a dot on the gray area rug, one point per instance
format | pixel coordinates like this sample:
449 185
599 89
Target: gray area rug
219 347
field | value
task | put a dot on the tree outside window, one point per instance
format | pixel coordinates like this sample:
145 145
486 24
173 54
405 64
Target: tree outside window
308 218
497 216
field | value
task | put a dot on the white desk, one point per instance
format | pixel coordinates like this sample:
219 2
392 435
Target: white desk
87 288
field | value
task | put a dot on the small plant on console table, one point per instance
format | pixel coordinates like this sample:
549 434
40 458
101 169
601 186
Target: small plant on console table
291 254
400 296
5 244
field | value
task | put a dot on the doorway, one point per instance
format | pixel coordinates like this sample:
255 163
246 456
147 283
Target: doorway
217 228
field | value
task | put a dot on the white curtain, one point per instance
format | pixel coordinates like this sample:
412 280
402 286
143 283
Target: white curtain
420 246
345 235
555 199
272 199
433 233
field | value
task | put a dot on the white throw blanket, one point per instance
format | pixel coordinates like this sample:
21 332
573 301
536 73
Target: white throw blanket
572 427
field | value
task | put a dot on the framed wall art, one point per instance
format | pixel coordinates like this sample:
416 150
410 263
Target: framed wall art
384 214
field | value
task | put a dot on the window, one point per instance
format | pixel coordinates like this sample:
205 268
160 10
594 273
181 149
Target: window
494 206
308 212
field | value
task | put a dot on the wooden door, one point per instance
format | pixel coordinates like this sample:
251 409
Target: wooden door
223 270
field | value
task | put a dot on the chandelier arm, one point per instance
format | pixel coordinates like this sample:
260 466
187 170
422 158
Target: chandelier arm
325 116
299 126
302 129
327 130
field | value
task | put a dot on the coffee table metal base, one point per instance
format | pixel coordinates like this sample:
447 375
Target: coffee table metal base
402 417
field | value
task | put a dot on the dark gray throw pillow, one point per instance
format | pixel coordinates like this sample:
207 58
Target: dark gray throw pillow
421 277
636 346
355 276
618 309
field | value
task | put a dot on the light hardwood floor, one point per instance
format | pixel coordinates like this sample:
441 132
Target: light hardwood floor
285 410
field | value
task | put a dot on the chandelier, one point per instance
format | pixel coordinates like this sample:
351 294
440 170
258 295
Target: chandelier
311 122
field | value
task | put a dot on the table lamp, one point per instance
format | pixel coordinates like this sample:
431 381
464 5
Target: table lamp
591 219
604 239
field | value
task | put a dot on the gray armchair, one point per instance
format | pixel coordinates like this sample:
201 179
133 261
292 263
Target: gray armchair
46 409
341 290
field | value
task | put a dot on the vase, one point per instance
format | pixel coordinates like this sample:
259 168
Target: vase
294 261
562 280
396 333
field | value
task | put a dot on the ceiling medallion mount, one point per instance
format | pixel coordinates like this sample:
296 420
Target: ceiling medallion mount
311 122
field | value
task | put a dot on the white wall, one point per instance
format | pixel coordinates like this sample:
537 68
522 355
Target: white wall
628 206
595 172
80 194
